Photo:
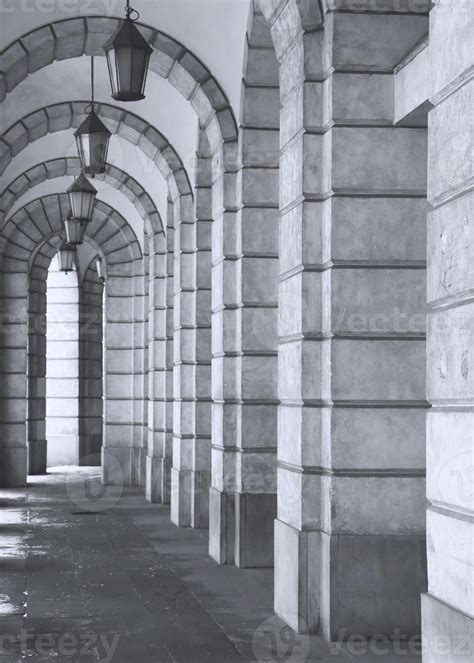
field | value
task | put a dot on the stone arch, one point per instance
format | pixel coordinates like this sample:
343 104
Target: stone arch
30 239
131 127
170 59
56 168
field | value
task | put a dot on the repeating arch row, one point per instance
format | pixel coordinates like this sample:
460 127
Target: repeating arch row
41 219
56 168
60 117
170 59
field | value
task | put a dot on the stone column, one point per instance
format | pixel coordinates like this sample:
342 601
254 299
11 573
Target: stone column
448 607
118 452
201 472
156 454
349 540
13 366
91 295
62 367
36 424
224 353
257 365
139 390
160 440
184 341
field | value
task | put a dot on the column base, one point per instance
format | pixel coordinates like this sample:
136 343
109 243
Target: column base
138 466
181 491
90 447
241 528
37 454
201 482
158 480
221 526
255 517
342 585
13 467
448 635
118 466
142 467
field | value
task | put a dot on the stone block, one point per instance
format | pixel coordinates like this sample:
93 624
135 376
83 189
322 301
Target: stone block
377 302
380 438
37 454
448 158
373 584
450 561
397 159
377 229
367 97
378 370
372 41
450 248
448 634
14 467
255 514
450 376
297 596
221 526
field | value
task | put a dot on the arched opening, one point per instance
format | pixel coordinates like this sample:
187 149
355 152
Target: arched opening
62 367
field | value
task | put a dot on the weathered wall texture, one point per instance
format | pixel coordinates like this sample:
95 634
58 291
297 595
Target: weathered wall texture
264 334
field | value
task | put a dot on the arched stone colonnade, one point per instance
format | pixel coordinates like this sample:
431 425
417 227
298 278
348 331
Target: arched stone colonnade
265 363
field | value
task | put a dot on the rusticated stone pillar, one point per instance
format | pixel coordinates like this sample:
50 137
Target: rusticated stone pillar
118 452
13 368
139 373
448 607
155 469
224 353
184 362
201 468
349 542
257 229
91 420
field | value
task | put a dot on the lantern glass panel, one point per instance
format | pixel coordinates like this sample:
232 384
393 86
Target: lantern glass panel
93 148
98 265
75 230
67 253
82 198
128 56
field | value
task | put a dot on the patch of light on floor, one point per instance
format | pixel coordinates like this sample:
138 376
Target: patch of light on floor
12 546
12 516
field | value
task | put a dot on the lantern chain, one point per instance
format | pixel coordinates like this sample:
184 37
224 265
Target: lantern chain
90 107
129 11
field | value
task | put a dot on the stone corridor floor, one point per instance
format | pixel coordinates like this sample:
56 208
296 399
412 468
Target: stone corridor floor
96 574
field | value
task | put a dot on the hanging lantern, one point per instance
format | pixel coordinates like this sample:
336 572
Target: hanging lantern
128 55
99 268
92 138
75 229
67 255
82 198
